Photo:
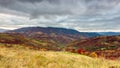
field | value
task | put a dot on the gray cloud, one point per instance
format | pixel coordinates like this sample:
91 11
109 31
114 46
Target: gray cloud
74 7
85 14
31 1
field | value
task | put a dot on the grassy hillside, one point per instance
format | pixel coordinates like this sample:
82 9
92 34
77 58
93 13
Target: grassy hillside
25 58
98 43
9 39
105 46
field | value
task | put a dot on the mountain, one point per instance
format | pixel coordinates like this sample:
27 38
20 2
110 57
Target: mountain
2 30
47 30
109 33
51 34
58 31
108 46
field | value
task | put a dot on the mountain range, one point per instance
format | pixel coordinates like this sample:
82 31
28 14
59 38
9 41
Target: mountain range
60 36
2 30
49 38
57 35
58 31
108 33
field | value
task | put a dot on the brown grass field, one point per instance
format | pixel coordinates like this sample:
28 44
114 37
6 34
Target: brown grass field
25 58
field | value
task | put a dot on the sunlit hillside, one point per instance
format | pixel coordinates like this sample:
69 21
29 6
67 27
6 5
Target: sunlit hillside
24 58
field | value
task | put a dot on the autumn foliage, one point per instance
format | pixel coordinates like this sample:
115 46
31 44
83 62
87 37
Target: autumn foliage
93 54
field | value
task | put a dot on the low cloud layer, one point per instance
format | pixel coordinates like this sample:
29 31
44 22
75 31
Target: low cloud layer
83 15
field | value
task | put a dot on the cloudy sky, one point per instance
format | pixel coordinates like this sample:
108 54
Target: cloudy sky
82 15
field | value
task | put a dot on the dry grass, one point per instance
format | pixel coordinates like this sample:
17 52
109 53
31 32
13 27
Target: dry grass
21 58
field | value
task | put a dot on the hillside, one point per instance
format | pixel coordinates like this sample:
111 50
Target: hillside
8 39
107 46
60 36
20 58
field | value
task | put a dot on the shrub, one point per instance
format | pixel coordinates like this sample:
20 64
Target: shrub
93 54
81 51
71 49
43 49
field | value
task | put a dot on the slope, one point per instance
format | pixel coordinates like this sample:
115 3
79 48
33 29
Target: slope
15 38
39 59
107 46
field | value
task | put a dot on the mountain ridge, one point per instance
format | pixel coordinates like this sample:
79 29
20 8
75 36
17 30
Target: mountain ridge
60 36
55 30
3 30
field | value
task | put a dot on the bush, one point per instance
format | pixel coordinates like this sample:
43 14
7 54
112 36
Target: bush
82 51
93 54
71 49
